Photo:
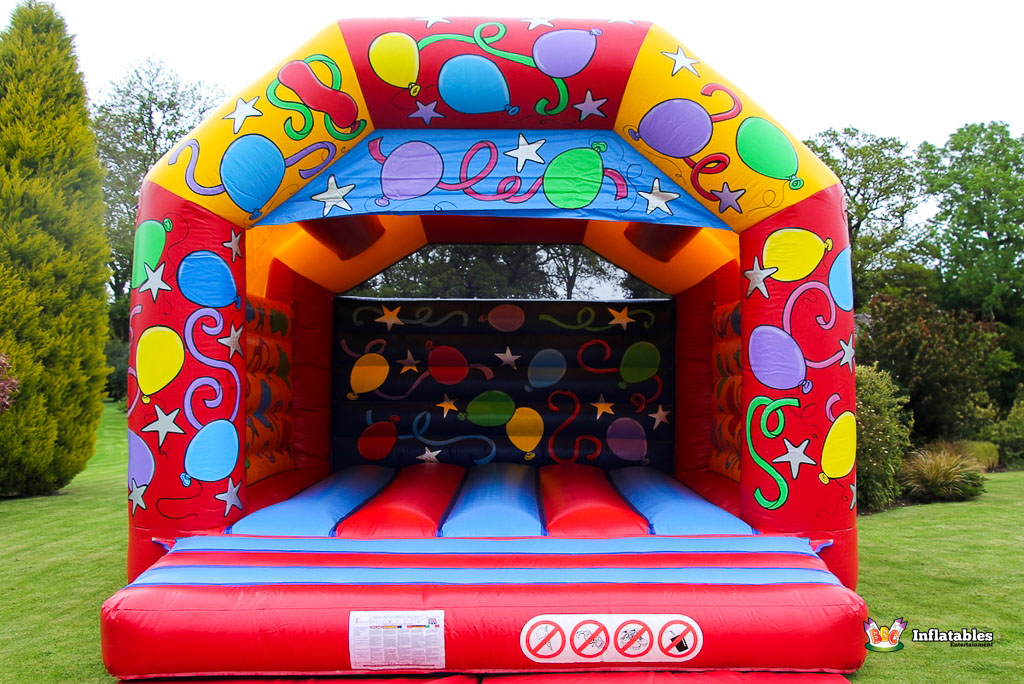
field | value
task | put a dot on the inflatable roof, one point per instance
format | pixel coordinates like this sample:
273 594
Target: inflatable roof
396 460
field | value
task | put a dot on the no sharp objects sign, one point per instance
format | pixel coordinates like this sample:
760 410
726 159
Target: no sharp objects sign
611 638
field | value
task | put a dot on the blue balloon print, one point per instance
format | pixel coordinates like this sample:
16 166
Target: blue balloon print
472 84
546 368
252 170
840 280
205 278
212 453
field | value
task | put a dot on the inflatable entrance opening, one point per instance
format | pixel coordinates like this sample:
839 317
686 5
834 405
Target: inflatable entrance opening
321 484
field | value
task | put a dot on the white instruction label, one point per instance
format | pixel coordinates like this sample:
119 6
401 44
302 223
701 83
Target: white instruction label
396 639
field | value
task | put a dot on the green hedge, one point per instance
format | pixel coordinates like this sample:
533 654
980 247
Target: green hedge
883 436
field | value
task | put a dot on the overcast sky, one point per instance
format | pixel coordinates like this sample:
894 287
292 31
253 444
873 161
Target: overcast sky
917 70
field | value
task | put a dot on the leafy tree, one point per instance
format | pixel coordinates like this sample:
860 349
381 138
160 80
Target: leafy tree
945 361
52 256
141 116
977 177
468 271
880 187
574 269
8 384
634 288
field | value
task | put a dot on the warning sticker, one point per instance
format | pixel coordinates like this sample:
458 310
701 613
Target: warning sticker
611 638
396 639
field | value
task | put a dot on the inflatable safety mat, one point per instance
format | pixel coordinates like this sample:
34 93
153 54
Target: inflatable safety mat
483 606
472 381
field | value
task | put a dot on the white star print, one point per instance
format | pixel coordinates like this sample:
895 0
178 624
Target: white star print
526 151
334 196
658 198
243 110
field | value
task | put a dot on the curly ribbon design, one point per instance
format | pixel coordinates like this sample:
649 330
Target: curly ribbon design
376 310
594 441
421 423
585 319
823 322
607 354
215 329
640 401
771 408
192 145
135 311
304 111
423 314
372 347
542 105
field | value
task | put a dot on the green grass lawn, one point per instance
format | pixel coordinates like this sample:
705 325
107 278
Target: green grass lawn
943 565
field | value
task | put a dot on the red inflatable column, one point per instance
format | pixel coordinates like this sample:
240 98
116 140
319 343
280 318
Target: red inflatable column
186 368
798 473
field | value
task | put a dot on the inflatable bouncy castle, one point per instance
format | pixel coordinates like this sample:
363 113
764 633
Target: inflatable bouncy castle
330 485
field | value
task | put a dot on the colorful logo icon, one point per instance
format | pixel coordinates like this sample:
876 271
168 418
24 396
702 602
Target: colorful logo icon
884 639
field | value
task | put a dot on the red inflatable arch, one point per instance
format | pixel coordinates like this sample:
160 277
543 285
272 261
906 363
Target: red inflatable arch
321 485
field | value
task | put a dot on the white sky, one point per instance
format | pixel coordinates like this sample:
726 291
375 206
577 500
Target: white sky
917 70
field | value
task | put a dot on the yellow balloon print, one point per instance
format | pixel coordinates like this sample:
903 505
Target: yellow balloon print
840 450
159 357
368 373
525 430
795 252
395 58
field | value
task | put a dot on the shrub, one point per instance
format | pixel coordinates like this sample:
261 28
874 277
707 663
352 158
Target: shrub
947 362
883 436
53 256
985 453
117 359
1008 434
941 471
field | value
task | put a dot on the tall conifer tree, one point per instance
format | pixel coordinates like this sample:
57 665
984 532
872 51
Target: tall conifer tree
52 256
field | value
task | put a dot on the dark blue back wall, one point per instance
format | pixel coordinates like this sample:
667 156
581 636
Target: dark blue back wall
582 381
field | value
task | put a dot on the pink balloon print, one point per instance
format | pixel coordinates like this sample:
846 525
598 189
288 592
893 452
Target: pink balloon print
506 317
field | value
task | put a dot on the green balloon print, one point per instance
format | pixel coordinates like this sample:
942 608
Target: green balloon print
573 178
150 238
640 362
490 409
767 150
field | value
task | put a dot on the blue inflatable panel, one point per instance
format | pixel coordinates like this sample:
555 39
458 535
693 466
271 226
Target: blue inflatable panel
542 546
671 507
315 511
497 500
248 575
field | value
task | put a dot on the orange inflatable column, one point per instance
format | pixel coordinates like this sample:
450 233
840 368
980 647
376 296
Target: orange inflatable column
798 473
186 384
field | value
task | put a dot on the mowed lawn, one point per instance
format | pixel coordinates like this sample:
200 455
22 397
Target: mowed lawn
942 565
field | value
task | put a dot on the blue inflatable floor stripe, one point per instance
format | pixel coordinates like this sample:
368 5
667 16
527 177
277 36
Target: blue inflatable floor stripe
315 511
497 500
670 506
250 575
541 546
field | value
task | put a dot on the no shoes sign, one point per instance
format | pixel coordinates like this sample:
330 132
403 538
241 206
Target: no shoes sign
611 638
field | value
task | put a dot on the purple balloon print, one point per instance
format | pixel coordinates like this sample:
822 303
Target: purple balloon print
627 439
776 359
141 465
564 53
411 170
676 128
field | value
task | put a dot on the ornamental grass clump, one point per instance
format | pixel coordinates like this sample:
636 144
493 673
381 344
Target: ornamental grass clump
941 471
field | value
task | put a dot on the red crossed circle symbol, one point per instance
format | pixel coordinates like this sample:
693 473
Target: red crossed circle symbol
555 632
679 639
631 633
590 645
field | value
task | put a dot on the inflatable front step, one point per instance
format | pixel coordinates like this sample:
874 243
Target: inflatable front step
321 606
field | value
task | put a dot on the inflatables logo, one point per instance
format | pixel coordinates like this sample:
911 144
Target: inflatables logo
884 639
